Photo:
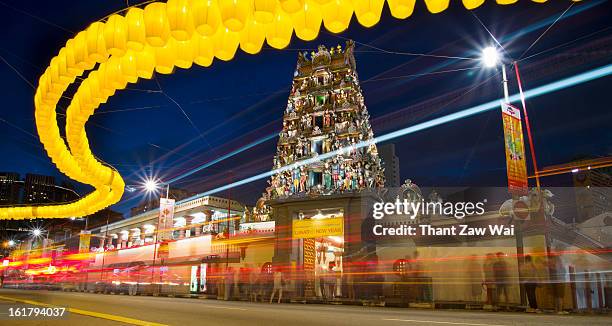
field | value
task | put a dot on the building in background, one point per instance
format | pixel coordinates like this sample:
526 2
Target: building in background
593 191
34 189
391 164
38 189
10 188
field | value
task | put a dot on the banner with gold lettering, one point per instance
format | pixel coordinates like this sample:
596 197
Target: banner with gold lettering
515 150
315 228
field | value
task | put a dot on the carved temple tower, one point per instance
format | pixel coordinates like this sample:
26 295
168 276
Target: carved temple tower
325 113
323 185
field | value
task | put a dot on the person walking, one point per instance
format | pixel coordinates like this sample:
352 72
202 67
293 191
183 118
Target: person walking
500 272
244 281
557 279
529 277
278 286
475 289
489 281
229 284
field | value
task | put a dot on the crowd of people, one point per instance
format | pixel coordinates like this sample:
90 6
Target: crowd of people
256 283
547 275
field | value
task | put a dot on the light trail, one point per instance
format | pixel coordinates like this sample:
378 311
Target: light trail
536 92
222 158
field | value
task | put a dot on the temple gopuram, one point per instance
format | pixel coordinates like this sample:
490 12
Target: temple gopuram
323 184
325 112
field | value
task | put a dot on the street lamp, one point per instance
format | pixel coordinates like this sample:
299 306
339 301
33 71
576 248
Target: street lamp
153 185
36 232
150 185
490 56
11 243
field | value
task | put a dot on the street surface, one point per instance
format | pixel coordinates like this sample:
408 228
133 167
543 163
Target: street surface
142 310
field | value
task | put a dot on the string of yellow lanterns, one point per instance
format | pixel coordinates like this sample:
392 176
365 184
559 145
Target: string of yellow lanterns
159 38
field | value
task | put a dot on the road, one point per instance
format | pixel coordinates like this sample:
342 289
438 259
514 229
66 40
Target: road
99 309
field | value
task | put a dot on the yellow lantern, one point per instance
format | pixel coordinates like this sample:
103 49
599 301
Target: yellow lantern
145 62
473 4
206 16
54 72
506 2
307 22
368 11
70 61
291 6
165 57
337 15
279 31
205 52
113 74
96 46
234 13
80 52
264 10
156 24
225 44
128 67
252 37
180 19
184 53
115 32
136 34
437 6
66 75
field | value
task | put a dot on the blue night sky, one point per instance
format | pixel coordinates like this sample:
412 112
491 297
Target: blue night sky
145 130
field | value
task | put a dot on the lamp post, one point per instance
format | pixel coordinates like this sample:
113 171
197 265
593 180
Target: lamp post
151 186
491 58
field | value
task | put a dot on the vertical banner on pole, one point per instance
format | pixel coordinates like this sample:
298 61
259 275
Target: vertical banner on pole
166 219
515 150
84 241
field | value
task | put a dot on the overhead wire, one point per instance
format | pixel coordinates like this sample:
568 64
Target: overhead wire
403 53
545 31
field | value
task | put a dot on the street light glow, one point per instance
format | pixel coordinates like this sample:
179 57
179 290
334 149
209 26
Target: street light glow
11 243
151 185
490 57
36 232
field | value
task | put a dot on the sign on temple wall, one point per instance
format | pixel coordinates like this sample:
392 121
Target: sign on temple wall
316 228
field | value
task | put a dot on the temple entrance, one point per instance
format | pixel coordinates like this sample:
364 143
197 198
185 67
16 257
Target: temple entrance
328 267
321 233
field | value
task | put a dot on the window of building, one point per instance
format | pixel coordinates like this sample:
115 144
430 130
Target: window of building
266 268
317 146
400 266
